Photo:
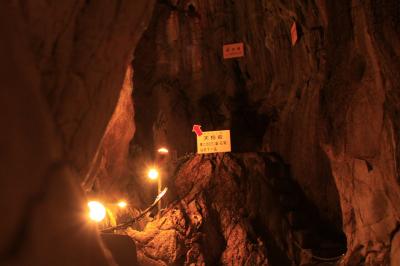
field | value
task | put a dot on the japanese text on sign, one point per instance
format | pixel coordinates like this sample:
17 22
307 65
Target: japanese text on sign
214 141
233 50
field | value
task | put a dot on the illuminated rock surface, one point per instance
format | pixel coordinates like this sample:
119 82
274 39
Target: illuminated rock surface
239 209
315 129
61 70
111 157
328 106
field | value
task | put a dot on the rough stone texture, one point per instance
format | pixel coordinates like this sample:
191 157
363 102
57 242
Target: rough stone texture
360 137
269 99
61 69
82 49
234 209
205 219
108 173
328 105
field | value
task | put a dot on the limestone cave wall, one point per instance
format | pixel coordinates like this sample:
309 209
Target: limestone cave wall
62 67
314 126
327 105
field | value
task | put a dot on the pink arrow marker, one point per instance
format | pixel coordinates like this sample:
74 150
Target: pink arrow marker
197 129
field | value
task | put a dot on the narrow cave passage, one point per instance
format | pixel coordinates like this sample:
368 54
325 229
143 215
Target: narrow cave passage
194 132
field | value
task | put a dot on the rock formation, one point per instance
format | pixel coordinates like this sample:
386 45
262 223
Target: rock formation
62 67
326 105
314 127
112 155
236 209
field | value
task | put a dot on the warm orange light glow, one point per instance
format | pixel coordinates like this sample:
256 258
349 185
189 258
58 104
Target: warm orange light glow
152 173
97 211
163 150
122 204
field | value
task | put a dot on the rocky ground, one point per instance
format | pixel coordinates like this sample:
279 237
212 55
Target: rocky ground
236 209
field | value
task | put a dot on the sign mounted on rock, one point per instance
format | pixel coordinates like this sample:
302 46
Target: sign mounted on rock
214 141
233 50
293 33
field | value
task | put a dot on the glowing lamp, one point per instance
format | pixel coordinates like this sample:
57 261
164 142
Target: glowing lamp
162 150
122 204
152 174
97 211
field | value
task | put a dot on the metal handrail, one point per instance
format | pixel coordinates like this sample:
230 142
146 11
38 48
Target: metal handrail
134 219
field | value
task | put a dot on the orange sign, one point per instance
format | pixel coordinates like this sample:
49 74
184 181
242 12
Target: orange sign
293 33
233 50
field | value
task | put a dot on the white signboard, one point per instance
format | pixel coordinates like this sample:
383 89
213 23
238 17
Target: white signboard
214 141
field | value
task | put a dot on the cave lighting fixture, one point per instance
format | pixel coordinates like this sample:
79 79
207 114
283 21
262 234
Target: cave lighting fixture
152 173
97 211
163 150
122 204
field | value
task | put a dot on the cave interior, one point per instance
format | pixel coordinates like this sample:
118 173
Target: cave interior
196 132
